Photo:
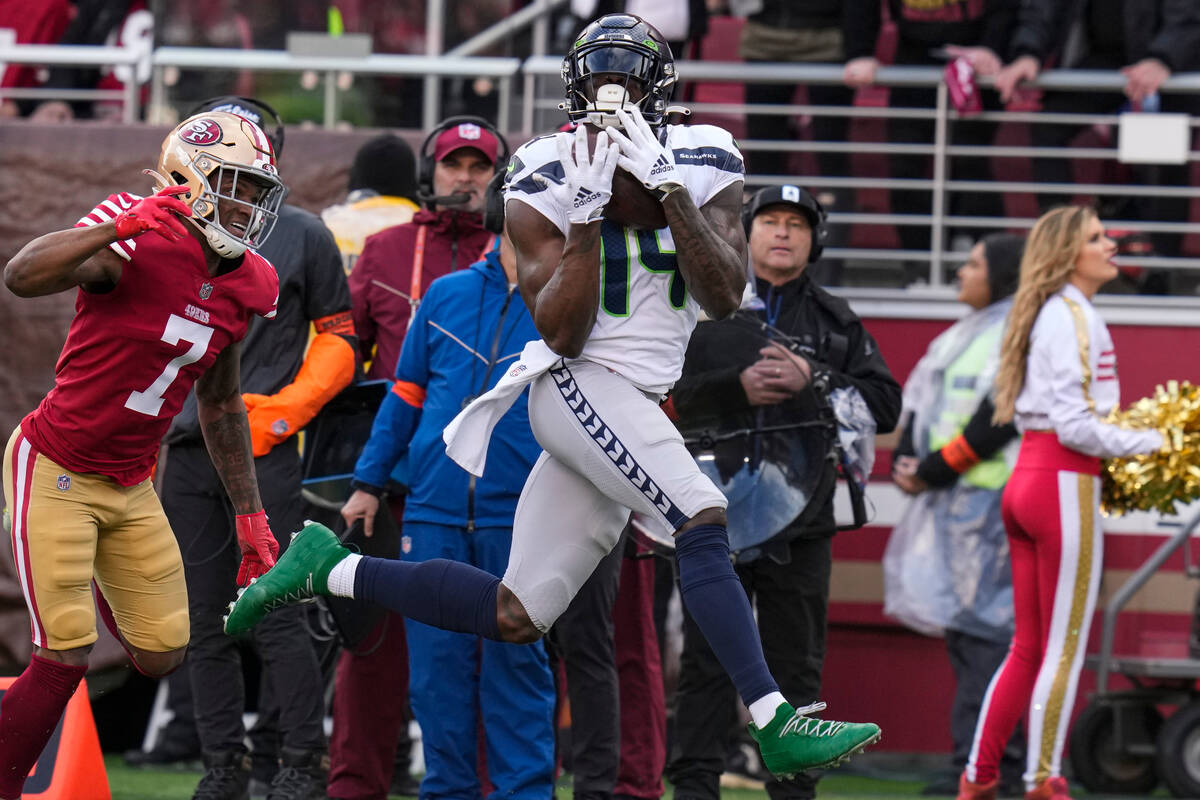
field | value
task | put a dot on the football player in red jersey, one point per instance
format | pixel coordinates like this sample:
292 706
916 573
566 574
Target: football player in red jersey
167 286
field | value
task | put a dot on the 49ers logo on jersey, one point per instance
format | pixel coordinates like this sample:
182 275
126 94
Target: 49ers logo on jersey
201 132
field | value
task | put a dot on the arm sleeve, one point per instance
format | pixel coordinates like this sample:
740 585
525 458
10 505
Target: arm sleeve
1054 357
904 446
1035 31
866 371
400 412
1177 41
710 386
979 440
860 24
998 29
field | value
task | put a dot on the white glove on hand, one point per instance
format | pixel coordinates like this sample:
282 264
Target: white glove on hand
643 156
587 181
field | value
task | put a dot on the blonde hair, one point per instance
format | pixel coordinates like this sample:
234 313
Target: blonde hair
1050 253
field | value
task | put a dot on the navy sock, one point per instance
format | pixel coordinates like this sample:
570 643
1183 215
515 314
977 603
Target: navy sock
717 602
446 594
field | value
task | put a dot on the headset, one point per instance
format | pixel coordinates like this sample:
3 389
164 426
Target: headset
493 204
814 211
425 154
248 107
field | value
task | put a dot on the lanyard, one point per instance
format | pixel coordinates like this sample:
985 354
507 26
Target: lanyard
418 263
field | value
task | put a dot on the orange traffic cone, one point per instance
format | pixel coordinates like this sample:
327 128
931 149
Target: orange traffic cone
71 766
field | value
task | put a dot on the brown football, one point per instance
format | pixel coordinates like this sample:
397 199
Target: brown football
631 205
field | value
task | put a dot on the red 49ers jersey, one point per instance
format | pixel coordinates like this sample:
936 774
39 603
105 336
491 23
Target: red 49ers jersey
133 353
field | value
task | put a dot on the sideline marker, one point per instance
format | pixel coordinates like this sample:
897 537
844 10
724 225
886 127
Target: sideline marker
71 767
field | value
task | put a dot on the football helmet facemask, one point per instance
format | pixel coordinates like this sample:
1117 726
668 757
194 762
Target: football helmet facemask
216 154
618 44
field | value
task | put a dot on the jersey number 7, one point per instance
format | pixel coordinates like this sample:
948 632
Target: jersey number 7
178 330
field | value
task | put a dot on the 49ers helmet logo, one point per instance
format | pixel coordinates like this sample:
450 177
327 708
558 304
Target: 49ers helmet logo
201 132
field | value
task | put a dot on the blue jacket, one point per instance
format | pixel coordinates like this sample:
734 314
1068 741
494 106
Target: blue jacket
469 327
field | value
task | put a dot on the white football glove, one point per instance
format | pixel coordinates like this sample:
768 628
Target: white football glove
587 181
643 156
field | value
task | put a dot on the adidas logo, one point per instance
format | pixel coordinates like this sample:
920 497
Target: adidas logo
585 196
661 166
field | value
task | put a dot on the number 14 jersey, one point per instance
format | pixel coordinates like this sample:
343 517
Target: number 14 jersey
645 315
133 352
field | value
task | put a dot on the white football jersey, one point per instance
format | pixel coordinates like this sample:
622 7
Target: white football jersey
646 314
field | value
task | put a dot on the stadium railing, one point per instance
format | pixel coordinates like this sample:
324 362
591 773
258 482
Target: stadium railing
540 93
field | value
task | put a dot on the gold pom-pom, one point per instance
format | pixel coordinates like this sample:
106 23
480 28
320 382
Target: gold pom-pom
1157 481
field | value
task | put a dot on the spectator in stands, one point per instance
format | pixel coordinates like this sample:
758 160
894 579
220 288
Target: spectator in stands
955 462
118 23
31 22
681 22
395 268
926 35
287 379
470 329
730 375
805 32
382 189
1147 40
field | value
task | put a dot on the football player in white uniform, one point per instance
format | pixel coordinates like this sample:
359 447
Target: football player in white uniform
624 229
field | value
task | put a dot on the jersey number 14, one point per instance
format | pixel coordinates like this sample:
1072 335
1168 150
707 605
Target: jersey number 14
617 260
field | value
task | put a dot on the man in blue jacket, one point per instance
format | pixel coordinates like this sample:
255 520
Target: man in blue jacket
469 329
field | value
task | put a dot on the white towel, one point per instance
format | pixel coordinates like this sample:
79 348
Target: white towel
468 434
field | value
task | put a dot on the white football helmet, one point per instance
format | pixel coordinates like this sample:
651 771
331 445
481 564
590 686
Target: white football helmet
216 154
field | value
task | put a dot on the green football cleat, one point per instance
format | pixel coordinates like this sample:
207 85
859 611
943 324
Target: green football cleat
794 742
299 574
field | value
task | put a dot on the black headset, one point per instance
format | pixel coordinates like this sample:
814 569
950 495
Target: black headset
817 218
266 114
425 157
493 204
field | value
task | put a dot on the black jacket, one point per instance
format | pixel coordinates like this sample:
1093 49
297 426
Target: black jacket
985 23
830 336
800 14
1165 29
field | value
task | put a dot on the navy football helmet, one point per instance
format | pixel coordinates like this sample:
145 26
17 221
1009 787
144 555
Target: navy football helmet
618 44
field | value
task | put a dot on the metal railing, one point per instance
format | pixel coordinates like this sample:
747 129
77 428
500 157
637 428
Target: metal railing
541 92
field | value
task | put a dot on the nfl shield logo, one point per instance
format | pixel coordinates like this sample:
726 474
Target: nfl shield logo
64 482
206 290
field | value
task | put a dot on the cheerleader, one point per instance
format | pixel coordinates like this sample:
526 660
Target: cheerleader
1057 380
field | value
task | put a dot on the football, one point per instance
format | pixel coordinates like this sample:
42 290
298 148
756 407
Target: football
632 204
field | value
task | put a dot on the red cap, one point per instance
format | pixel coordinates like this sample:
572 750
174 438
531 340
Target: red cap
466 134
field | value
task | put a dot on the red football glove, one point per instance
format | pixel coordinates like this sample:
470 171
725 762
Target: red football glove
155 213
258 544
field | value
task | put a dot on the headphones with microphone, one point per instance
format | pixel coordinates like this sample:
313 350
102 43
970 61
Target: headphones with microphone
249 107
493 204
789 195
425 163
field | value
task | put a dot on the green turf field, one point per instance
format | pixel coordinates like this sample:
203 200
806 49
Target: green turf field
146 784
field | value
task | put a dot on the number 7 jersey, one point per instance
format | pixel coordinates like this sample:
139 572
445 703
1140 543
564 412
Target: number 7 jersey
645 315
133 352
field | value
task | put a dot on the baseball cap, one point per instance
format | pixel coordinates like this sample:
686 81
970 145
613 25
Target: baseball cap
466 134
785 195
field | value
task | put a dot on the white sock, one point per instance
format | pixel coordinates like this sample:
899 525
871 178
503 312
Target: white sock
341 577
762 710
